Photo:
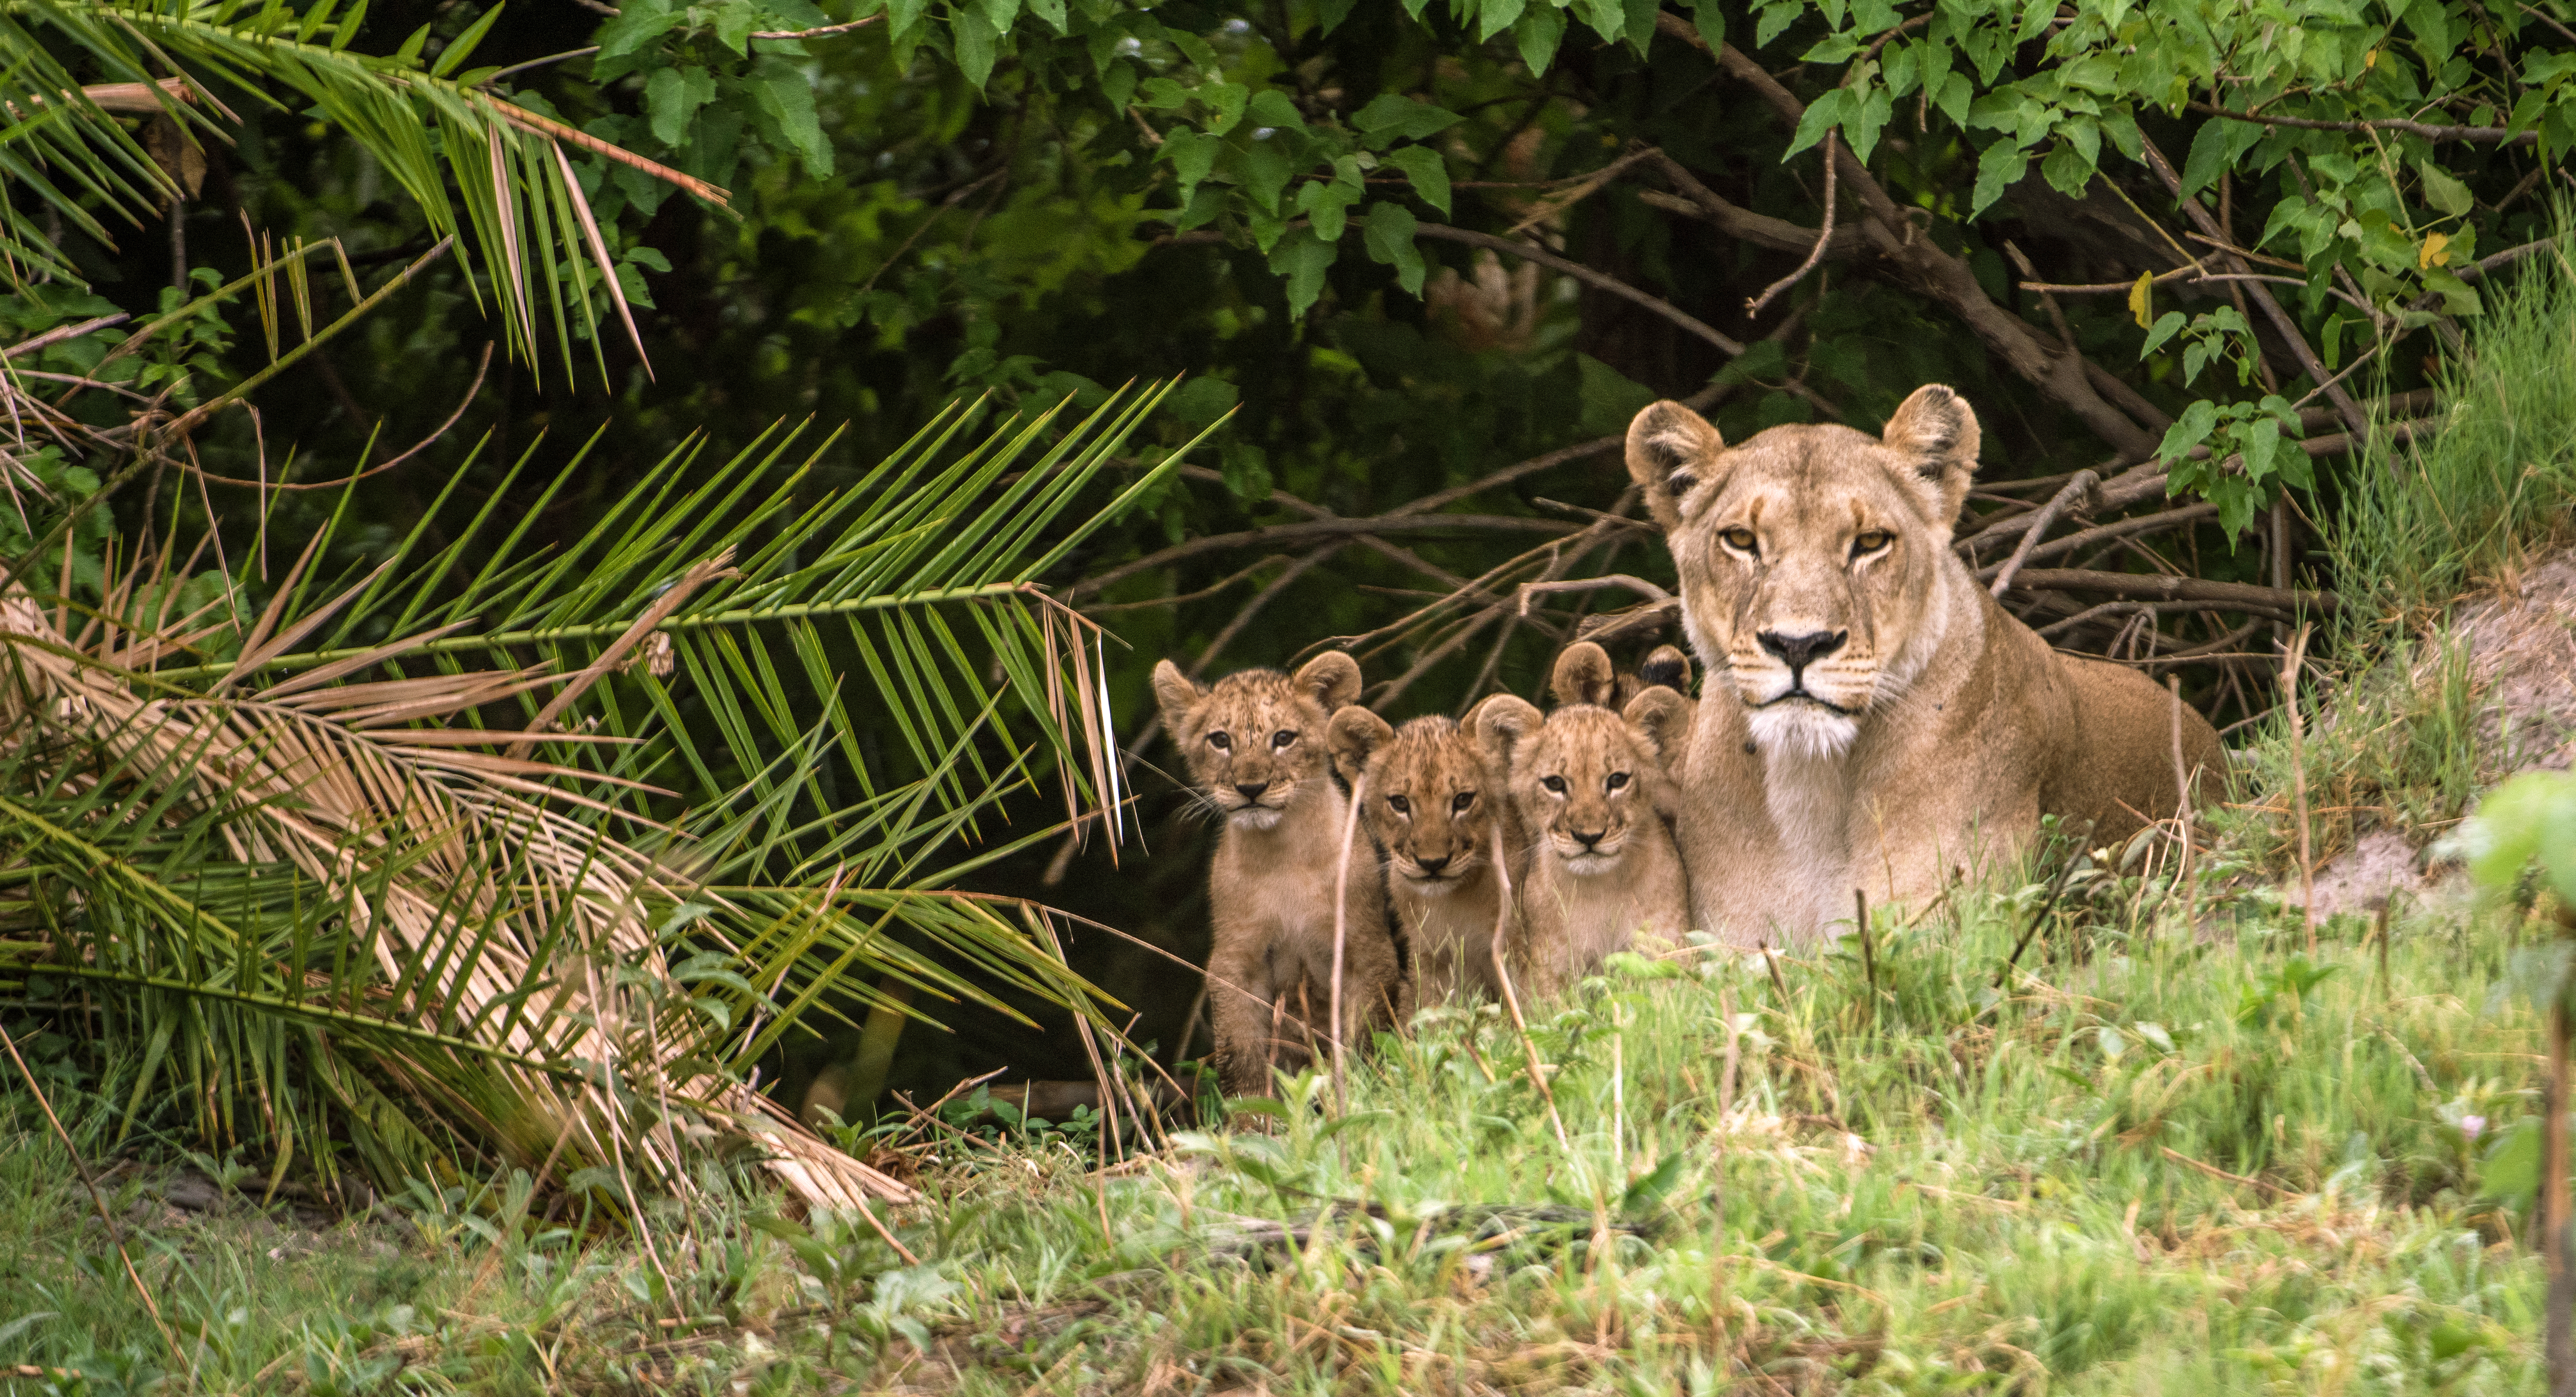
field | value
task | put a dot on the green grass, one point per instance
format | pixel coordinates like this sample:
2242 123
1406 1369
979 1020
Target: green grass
1930 1187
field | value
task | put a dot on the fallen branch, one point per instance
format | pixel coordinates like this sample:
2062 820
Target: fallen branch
2084 484
2141 586
2102 533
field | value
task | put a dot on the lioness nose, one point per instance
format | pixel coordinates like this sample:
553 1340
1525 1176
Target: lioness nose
1588 840
1252 791
1800 651
1433 866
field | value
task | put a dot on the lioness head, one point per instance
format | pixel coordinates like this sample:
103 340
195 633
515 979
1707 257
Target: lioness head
1810 556
1255 742
1430 802
1583 776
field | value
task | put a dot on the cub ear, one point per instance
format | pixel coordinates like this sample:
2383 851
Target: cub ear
1583 675
1353 735
1332 677
1668 666
1504 722
1661 719
1935 430
1177 694
1670 449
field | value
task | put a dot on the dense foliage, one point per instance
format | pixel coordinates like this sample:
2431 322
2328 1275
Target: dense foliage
1410 245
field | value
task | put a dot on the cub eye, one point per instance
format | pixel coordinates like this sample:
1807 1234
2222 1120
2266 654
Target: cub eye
1399 805
1220 741
1618 779
1553 785
1282 738
1463 800
1871 542
1741 540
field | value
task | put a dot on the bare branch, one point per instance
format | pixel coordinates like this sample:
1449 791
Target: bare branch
2084 484
1824 238
2118 528
1314 531
1618 580
2473 135
2144 587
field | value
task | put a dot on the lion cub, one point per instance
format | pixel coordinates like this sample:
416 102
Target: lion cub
1257 755
1592 785
1432 804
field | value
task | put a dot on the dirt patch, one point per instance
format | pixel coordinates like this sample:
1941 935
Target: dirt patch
2522 652
2385 862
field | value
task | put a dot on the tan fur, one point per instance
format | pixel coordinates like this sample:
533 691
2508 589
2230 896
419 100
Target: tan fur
1583 674
1591 788
1431 807
1257 755
1873 719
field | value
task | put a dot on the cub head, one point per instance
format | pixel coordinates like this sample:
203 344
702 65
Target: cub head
1255 742
1811 557
1428 799
1583 675
1584 776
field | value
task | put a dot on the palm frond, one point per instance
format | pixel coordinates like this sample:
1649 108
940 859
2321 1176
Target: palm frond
477 165
555 844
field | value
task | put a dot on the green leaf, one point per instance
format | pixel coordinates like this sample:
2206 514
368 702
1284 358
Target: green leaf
1200 401
2444 192
1429 173
1326 203
2166 327
2189 430
1193 155
1390 241
734 22
2259 440
1999 168
1495 16
975 38
1271 107
672 97
1712 23
1861 128
1266 166
454 55
1610 398
1537 35
1654 1187
1303 258
1390 115
1822 115
1246 468
2066 170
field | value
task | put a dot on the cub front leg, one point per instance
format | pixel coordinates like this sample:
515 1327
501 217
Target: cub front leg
1240 995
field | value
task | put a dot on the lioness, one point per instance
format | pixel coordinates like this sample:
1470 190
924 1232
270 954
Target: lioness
1431 804
1874 720
1592 786
1256 752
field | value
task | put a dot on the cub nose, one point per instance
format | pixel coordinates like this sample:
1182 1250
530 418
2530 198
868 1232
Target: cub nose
1433 866
1252 791
1591 839
1800 651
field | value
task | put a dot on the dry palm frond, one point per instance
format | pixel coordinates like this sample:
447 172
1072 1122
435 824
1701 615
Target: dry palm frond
304 885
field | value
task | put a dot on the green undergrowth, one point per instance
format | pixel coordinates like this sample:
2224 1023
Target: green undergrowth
2154 1161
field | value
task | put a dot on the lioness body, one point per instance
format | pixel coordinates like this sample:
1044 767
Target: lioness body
1873 719
1431 806
1590 787
1256 751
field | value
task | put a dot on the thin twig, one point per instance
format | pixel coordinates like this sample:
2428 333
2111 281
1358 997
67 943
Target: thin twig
2299 781
2182 809
1511 999
98 1199
2082 485
1824 236
1341 936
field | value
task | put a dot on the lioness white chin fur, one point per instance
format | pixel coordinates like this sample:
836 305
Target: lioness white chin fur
1872 719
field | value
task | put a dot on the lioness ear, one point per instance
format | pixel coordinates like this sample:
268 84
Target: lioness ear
1583 675
1661 719
1177 694
1503 722
1668 666
1332 677
1936 431
1353 735
1669 451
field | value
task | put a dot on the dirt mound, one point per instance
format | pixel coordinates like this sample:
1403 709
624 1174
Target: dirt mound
2522 653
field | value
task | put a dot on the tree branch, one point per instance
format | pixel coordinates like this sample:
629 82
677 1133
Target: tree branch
2060 374
2143 587
1316 531
2084 483
2475 135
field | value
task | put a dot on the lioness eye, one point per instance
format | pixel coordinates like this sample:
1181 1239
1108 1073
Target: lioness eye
1399 805
1553 785
1465 799
1282 738
1871 542
1220 741
1741 540
1618 779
